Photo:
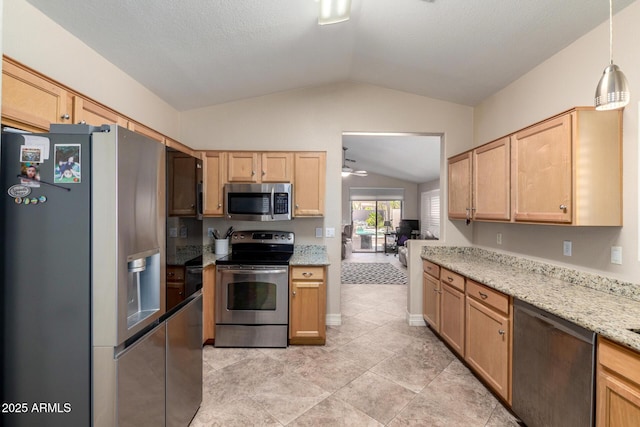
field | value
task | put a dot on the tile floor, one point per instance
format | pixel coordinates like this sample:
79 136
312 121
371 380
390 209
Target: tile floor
374 370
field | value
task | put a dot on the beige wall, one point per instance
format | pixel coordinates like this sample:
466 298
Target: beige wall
35 40
314 119
410 205
566 80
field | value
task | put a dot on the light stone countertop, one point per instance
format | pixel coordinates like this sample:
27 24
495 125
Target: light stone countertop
309 255
600 304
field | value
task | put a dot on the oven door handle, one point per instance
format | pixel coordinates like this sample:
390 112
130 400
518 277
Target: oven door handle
267 270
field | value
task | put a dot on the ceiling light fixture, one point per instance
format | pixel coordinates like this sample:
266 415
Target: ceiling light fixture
334 11
346 170
613 90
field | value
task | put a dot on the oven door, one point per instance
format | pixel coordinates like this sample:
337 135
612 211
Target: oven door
252 295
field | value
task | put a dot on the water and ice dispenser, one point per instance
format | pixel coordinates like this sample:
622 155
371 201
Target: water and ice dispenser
143 290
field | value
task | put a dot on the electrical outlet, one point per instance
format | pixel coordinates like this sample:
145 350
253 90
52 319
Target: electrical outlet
210 231
173 232
318 231
499 238
566 248
183 232
616 254
331 232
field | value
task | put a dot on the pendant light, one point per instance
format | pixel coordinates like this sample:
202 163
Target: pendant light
612 91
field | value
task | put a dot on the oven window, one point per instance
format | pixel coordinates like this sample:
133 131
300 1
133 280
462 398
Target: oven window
251 296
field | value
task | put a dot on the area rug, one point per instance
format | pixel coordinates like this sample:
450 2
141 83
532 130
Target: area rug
374 273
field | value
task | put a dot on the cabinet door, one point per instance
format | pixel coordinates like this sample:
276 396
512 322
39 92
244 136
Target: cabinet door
214 165
182 177
92 113
431 301
146 131
276 167
452 317
175 294
243 167
487 346
208 304
307 306
460 186
309 183
30 102
542 172
492 181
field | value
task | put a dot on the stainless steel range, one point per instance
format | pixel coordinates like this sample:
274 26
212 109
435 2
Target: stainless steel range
252 290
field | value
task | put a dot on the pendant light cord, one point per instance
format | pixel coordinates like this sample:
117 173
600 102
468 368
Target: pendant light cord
611 32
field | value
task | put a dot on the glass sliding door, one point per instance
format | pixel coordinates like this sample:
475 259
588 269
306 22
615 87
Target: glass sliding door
369 218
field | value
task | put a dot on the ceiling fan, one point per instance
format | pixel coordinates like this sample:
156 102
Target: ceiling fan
346 170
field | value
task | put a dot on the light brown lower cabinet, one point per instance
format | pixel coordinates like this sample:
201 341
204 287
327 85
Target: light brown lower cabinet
307 305
431 301
618 386
208 304
452 317
488 337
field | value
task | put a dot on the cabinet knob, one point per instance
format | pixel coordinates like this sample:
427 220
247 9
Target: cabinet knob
297 206
64 117
253 173
171 274
263 173
501 332
483 296
450 279
294 293
307 274
563 207
82 122
219 205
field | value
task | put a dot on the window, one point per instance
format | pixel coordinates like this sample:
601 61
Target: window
430 213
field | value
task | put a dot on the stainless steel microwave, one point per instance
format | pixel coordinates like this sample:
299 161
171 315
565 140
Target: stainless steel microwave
258 202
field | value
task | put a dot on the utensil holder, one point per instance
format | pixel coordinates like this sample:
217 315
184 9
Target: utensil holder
221 246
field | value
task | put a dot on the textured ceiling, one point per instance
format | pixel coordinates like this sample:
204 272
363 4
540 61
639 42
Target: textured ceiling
197 53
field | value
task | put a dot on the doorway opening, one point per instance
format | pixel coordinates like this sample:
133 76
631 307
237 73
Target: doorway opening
374 224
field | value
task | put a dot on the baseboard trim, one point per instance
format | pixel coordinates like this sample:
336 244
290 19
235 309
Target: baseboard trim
415 320
334 319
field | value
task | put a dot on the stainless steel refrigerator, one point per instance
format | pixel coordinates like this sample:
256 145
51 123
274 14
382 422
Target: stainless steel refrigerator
84 333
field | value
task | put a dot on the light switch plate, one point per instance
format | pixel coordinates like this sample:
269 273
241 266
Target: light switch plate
616 254
173 232
331 232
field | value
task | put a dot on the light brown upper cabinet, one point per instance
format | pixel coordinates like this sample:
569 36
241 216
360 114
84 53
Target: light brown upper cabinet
309 183
246 166
565 170
146 131
491 181
181 184
568 169
92 113
460 186
276 167
31 102
214 170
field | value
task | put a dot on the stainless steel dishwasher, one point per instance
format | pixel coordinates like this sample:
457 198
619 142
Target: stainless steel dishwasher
553 369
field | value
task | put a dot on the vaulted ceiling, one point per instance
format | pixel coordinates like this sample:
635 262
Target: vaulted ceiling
197 53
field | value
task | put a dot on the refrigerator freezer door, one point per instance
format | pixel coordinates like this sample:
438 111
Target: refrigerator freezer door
141 381
184 363
45 289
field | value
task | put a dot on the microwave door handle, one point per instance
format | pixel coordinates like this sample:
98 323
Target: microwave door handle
272 203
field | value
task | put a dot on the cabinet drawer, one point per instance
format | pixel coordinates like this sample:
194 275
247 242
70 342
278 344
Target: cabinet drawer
616 358
452 279
488 296
175 273
307 273
431 269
